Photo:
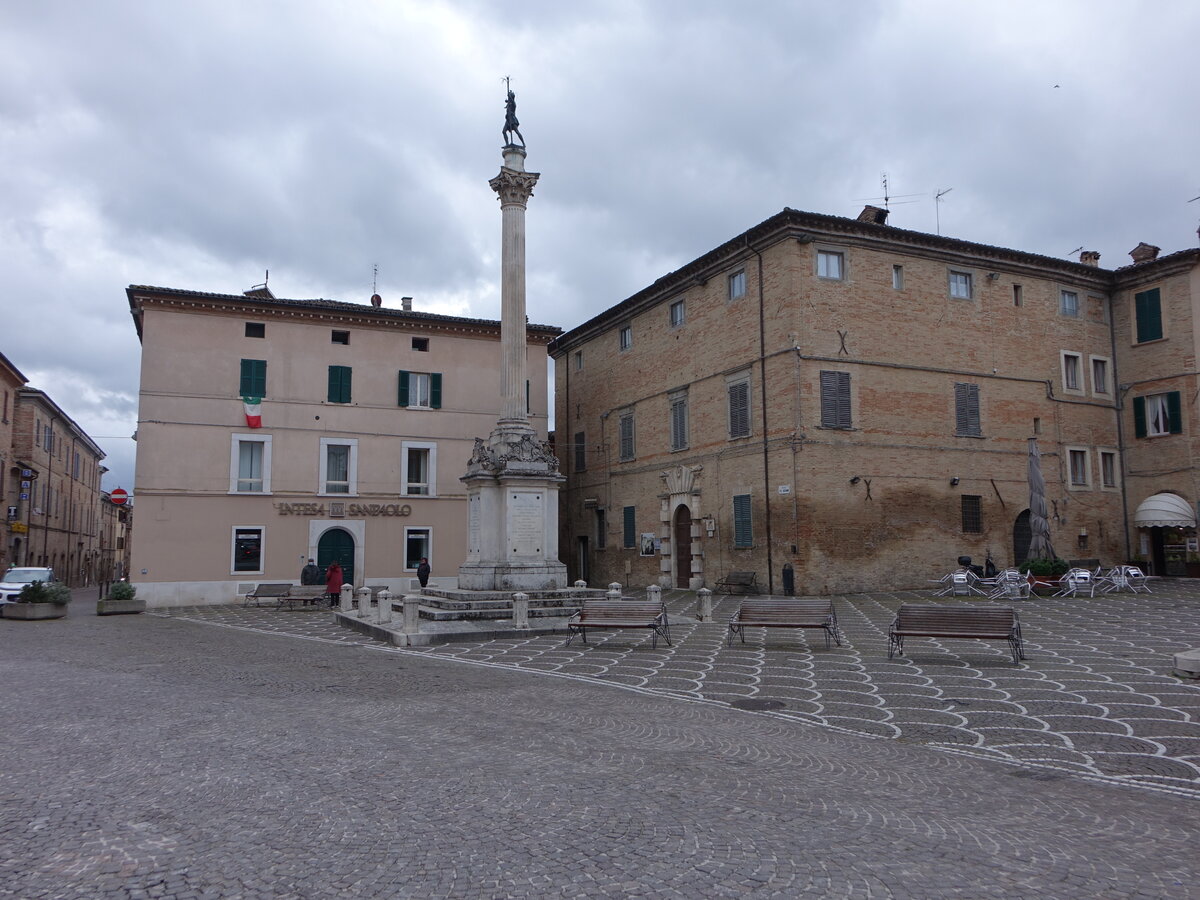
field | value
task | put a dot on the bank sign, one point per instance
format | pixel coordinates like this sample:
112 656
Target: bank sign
338 509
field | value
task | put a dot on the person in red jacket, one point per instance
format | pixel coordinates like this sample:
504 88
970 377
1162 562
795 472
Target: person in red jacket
333 582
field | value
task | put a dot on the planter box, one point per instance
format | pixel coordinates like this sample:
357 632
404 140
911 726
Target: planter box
33 610
109 607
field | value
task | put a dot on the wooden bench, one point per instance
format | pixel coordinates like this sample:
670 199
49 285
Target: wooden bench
786 614
306 594
276 592
620 614
976 622
739 582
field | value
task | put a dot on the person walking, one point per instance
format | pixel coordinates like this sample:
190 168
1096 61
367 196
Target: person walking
333 582
423 571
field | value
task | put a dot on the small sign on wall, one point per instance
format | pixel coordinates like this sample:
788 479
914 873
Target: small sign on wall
647 544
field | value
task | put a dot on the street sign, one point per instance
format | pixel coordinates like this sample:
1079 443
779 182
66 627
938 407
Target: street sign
119 496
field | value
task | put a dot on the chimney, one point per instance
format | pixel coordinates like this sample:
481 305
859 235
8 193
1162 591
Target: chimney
1144 252
406 304
1090 258
376 301
874 215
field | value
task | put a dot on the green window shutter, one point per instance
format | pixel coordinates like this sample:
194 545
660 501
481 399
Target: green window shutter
435 390
1148 311
743 532
630 526
1139 416
1174 413
402 400
254 378
339 384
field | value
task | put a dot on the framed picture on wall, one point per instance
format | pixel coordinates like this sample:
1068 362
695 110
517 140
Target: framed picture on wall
647 544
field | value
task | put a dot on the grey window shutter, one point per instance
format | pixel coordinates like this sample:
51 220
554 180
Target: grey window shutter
627 437
743 533
835 400
679 424
739 409
966 409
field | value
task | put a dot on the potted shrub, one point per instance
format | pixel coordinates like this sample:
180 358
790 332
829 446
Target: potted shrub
39 600
121 600
1044 573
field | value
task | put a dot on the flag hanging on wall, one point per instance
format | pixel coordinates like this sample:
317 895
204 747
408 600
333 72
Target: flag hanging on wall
253 407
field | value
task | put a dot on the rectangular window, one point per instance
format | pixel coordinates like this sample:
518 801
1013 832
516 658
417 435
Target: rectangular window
254 378
835 400
628 527
339 466
1071 375
1068 303
625 337
248 550
341 337
578 360
339 384
256 329
1018 299
1099 375
580 452
420 390
418 460
421 345
737 284
1108 468
830 264
626 436
743 530
961 285
1148 310
676 315
418 545
679 420
250 464
1157 414
966 410
898 278
601 529
972 514
1077 461
739 407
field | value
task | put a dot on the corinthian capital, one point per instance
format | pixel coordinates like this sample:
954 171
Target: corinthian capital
514 186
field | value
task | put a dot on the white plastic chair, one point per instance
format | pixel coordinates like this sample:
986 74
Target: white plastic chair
1010 584
1075 582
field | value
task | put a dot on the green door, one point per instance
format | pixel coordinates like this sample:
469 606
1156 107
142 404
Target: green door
337 543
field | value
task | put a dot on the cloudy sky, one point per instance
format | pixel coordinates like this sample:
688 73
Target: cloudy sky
198 144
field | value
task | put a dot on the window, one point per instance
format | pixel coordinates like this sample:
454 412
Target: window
341 337
420 390
1072 381
676 313
247 550
1147 309
580 452
1108 468
739 406
1099 375
250 464
961 285
254 378
1077 462
626 435
578 360
830 264
898 278
418 543
737 284
1068 303
625 337
601 529
421 344
339 384
1018 299
418 461
835 400
966 410
628 527
256 329
972 514
679 420
743 530
1157 414
339 466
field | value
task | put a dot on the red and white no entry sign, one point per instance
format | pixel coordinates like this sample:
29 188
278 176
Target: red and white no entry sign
119 496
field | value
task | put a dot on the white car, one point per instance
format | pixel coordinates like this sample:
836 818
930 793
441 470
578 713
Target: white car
13 580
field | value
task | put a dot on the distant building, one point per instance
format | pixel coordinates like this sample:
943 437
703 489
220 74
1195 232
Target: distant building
855 401
365 420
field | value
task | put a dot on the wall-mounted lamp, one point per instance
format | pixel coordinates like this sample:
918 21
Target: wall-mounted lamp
855 480
992 276
954 481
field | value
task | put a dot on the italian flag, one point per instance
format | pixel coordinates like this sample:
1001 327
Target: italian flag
253 407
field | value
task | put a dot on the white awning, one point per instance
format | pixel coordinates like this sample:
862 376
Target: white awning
1170 510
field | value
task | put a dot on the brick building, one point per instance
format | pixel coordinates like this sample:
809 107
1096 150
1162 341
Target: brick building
856 400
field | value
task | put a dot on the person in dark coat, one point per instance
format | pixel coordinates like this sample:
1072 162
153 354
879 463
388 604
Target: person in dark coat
311 574
333 582
423 571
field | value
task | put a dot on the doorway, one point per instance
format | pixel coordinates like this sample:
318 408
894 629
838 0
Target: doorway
337 543
1022 538
682 547
584 568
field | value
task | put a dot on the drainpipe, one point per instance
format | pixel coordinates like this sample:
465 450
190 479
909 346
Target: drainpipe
1119 396
762 374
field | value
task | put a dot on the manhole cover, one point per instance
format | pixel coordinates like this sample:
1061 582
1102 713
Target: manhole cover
756 703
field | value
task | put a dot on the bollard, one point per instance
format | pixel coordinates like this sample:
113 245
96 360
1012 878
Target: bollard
520 610
581 583
364 602
385 607
654 593
704 613
614 591
412 614
347 598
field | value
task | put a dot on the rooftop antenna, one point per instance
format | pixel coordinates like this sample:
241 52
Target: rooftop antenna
883 179
937 206
375 279
1076 250
1193 200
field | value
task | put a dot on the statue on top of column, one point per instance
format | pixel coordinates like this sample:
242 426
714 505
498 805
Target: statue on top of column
511 125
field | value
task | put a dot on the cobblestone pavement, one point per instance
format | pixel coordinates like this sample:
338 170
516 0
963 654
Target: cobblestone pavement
156 757
1095 696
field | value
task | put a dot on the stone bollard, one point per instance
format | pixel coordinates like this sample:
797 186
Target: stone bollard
347 598
654 593
412 614
364 602
385 608
520 611
704 613
581 584
614 591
